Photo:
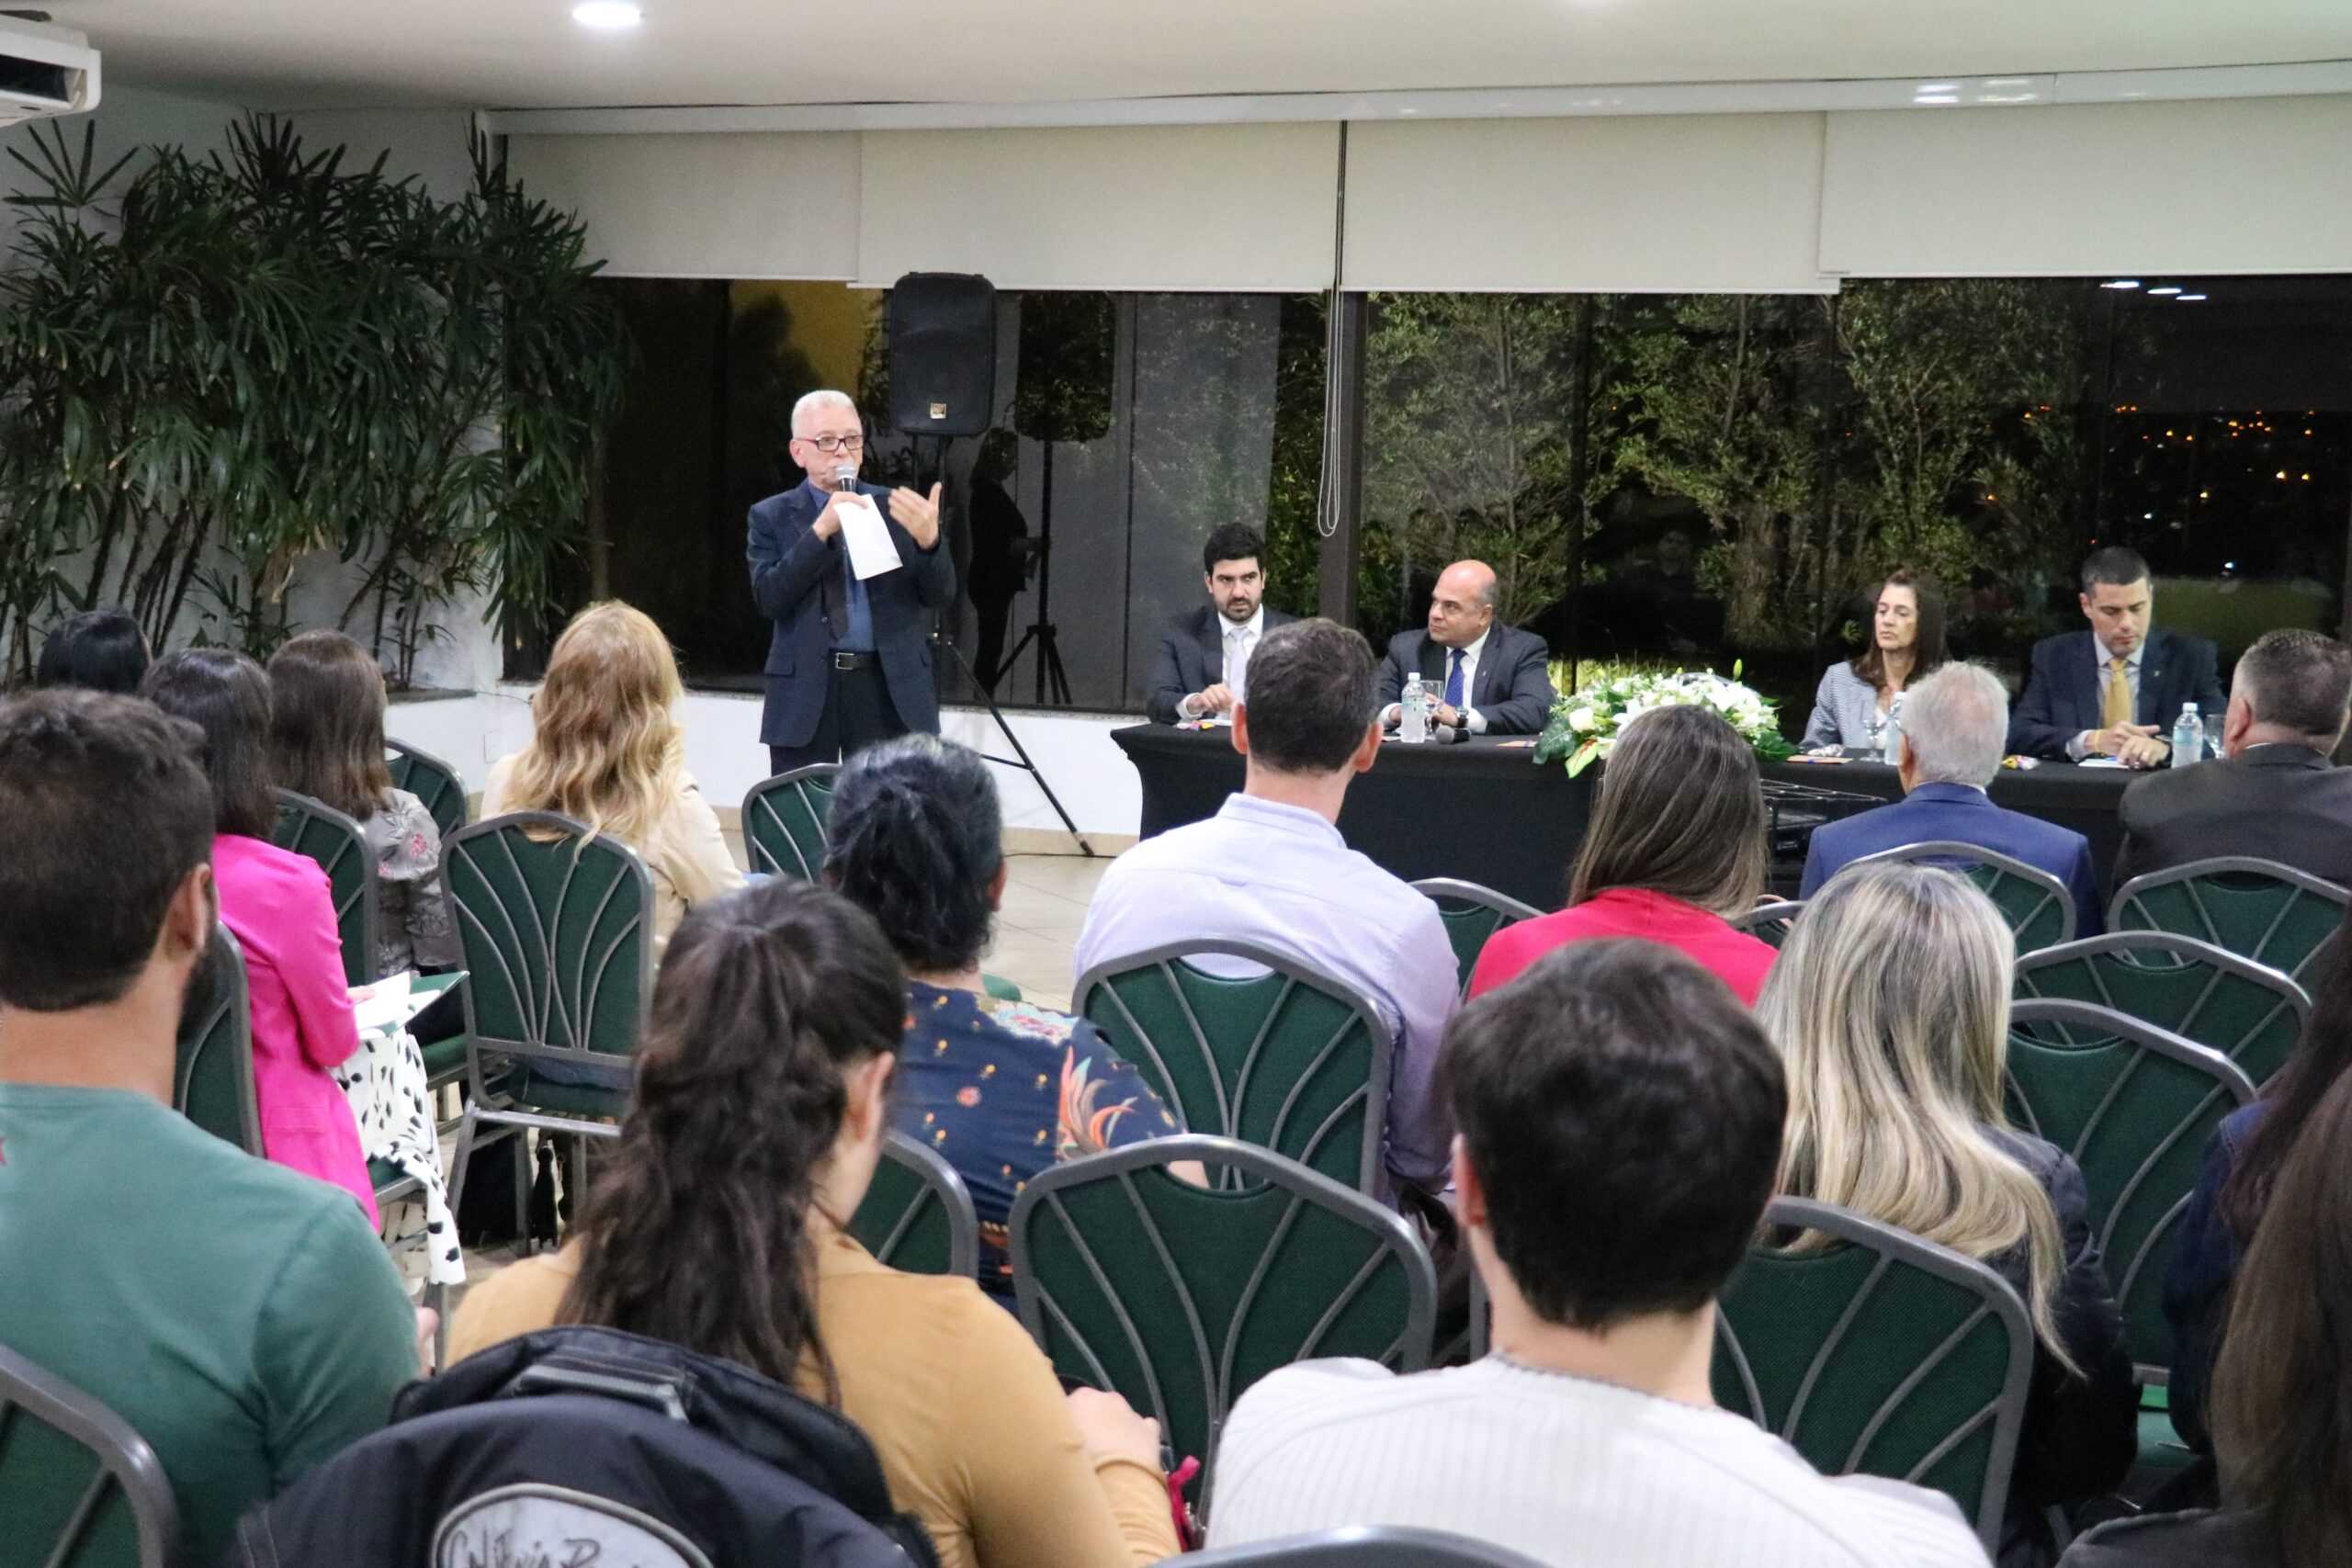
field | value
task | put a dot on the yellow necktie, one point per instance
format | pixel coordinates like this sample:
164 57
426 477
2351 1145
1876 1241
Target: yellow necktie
2118 694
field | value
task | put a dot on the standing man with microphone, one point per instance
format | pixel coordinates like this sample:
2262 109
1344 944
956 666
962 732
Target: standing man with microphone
849 661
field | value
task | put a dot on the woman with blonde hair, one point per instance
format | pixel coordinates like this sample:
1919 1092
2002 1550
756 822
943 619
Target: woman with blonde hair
606 749
1891 1007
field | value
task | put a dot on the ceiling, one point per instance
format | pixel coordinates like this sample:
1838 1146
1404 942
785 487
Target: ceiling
528 53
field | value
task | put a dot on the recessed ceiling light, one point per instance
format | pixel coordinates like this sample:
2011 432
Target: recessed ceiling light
2122 283
2167 288
2187 299
606 15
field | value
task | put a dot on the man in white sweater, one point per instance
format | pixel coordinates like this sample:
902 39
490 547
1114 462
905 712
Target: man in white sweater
1621 1118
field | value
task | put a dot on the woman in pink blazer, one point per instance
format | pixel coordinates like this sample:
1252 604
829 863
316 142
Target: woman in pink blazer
277 906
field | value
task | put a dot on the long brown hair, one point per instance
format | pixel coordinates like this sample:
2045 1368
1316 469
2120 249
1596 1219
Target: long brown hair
2282 1420
2321 1054
326 729
698 1230
606 746
1927 651
1679 811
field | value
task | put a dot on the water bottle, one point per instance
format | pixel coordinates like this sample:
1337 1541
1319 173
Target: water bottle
2188 737
1413 718
1890 735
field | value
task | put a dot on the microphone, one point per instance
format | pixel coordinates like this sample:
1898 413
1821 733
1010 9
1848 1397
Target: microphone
845 476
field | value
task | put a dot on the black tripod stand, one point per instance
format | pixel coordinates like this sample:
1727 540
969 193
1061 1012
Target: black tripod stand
1051 677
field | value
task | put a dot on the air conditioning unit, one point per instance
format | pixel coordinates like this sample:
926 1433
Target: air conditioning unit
45 71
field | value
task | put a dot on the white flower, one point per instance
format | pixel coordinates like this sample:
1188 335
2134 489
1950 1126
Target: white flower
1581 720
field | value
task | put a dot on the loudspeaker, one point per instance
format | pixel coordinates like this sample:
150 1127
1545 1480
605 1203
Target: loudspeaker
943 352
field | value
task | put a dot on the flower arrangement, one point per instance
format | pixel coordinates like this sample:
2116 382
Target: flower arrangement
1586 723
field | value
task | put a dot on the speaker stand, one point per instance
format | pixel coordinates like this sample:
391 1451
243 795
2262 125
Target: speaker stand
1053 680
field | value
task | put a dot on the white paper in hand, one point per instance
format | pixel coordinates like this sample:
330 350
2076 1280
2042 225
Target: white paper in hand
871 553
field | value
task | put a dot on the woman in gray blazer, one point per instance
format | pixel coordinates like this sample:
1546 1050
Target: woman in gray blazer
1858 695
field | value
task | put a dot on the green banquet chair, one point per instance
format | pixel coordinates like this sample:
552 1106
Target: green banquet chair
212 1076
1769 923
1472 914
2039 911
2259 909
315 828
78 1487
433 782
783 821
917 1216
2248 1013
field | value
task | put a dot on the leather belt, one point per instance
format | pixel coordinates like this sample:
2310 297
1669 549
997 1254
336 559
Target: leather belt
854 660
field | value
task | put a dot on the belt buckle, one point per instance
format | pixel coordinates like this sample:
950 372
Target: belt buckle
842 661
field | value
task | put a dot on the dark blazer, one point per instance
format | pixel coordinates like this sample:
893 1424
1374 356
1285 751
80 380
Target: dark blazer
2197 1284
1965 816
1512 687
789 564
2063 695
2199 1539
2284 803
1191 658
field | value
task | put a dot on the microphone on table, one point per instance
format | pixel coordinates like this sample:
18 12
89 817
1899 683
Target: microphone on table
845 476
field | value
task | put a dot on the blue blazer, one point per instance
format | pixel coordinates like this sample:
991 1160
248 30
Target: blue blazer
1955 812
789 563
2063 695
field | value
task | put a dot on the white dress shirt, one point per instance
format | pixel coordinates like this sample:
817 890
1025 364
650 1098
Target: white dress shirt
1238 640
2078 748
1472 719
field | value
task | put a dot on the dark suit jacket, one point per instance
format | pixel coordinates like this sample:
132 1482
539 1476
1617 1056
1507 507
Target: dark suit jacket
1964 815
2063 695
1191 658
789 563
2282 802
1513 687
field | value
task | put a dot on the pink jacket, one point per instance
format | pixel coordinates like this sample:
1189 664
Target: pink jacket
277 906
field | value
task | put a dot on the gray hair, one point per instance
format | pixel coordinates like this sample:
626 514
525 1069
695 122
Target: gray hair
823 398
1956 722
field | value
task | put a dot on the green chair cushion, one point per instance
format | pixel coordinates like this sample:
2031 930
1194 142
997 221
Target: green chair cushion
531 1092
999 987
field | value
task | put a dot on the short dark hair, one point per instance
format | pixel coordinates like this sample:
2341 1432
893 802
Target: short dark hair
2118 566
1679 811
914 837
1310 696
2298 678
226 696
1624 1111
107 811
1232 541
98 651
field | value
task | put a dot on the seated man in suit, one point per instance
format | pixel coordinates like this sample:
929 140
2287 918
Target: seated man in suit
1202 666
2115 690
2274 795
1951 748
1487 679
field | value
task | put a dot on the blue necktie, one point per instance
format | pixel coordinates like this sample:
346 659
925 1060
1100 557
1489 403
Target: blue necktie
1454 680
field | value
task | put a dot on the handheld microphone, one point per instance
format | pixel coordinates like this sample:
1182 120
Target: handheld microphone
845 476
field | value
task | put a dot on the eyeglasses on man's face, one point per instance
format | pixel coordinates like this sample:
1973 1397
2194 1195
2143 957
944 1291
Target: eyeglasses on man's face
832 444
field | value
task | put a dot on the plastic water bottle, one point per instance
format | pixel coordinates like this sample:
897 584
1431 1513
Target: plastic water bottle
1890 735
1413 718
2188 737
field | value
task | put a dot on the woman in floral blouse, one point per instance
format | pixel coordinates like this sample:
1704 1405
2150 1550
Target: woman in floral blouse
999 1089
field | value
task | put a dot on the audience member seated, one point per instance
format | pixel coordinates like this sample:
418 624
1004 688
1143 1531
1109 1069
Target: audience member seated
1202 666
2241 1166
2274 793
2114 689
326 740
1271 869
1675 844
278 905
1953 729
763 1096
1485 678
96 650
1860 696
1624 1079
243 1319
2282 1430
607 749
999 1089
1891 1006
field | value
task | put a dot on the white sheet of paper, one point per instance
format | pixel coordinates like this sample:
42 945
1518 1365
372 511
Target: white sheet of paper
871 553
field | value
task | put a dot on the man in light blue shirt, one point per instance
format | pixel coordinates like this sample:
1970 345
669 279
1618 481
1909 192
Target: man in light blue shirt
1272 870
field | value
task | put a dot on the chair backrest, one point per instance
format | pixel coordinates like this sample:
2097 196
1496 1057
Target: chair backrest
1362 1546
917 1215
2249 1011
433 782
783 821
556 925
1290 1060
212 1080
1472 914
2256 909
2136 1106
2040 911
1882 1354
315 828
1179 1297
78 1487
1769 923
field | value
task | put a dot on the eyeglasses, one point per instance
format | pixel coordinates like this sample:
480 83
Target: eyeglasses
836 442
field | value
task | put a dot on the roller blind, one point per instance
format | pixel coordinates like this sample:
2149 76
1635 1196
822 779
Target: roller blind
1229 207
2221 186
756 204
1634 204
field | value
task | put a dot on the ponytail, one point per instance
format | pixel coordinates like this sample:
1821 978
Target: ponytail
698 1230
915 837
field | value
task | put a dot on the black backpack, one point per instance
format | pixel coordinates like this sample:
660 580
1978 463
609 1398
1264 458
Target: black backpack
581 1445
